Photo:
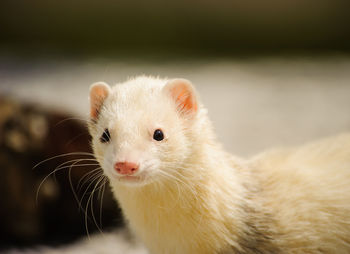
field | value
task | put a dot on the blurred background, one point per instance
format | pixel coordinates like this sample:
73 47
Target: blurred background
271 73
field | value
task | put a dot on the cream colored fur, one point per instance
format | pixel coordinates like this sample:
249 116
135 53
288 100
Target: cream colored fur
307 191
196 198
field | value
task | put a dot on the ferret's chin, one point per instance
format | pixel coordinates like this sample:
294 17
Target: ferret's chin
132 181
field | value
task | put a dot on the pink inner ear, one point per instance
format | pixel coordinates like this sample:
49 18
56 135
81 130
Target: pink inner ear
184 96
98 94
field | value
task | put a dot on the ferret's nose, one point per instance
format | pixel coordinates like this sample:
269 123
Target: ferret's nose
126 168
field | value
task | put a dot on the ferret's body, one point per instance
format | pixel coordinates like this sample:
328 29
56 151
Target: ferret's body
187 195
307 191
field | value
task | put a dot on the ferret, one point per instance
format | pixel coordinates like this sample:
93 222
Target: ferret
181 193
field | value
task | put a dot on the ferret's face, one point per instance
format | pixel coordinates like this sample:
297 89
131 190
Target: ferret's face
139 134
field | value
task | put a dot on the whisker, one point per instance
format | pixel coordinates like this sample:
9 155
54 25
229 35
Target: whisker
63 155
90 179
92 197
177 179
60 167
90 200
86 176
101 193
95 176
71 185
72 118
75 138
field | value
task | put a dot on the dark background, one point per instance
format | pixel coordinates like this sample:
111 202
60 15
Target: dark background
183 28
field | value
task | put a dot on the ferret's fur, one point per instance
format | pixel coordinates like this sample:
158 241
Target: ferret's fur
196 198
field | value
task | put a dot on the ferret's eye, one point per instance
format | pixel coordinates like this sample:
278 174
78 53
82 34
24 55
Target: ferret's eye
105 136
158 135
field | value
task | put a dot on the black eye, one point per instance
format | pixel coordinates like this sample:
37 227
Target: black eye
105 136
158 135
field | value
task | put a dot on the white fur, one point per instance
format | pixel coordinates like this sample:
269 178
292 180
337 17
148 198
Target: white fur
192 197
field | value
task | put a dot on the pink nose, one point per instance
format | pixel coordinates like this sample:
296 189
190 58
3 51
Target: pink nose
126 168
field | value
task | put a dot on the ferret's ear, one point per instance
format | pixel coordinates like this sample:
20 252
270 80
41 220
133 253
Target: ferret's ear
98 93
183 93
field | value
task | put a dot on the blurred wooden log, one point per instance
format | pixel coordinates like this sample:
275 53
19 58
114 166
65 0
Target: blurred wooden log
29 135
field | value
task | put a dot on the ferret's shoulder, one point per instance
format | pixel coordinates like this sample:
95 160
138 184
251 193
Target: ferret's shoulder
317 160
323 149
336 147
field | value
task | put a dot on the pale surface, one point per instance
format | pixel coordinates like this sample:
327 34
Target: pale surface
254 104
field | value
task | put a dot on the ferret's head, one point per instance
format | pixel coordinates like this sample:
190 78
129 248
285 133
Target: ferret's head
143 130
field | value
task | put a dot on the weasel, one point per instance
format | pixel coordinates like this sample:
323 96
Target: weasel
182 193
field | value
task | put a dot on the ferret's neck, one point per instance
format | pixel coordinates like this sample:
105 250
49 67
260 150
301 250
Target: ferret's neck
206 194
